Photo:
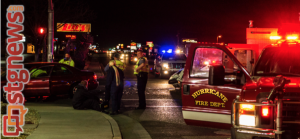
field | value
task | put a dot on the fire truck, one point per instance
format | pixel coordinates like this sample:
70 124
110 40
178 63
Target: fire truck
218 90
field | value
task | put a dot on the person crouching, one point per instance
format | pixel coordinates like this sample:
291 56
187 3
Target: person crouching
115 79
84 99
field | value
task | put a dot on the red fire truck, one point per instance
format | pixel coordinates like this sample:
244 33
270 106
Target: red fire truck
219 92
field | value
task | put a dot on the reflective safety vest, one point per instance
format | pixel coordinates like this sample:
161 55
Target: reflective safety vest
69 62
144 68
119 64
37 72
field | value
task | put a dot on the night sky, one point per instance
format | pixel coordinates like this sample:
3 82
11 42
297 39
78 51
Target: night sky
160 21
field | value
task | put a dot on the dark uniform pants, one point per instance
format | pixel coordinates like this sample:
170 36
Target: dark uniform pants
115 94
142 79
90 104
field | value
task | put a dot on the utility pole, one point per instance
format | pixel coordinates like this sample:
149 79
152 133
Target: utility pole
50 35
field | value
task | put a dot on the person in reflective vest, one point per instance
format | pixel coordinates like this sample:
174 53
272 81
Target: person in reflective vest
116 62
36 72
141 70
67 60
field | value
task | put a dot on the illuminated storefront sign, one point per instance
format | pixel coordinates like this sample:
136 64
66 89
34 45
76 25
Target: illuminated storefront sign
133 47
150 43
133 44
71 36
73 27
189 40
128 46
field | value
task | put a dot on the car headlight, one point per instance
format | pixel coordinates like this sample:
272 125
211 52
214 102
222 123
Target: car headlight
165 65
135 59
247 115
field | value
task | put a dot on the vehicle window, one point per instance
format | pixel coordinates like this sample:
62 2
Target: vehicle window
204 57
40 72
245 57
60 70
174 57
279 61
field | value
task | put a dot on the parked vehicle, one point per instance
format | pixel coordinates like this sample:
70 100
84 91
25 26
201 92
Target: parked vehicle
218 91
168 64
55 79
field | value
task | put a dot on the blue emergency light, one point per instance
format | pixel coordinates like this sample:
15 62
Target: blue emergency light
169 51
164 51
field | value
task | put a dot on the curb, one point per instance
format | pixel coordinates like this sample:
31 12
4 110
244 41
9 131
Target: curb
114 126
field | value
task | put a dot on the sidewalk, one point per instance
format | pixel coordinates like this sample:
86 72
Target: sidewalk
63 122
60 121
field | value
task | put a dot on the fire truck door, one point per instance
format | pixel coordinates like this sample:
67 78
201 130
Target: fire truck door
204 104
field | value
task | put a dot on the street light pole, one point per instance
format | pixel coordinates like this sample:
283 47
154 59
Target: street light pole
50 34
218 38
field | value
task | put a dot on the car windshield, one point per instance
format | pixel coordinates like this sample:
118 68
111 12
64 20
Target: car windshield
280 60
174 57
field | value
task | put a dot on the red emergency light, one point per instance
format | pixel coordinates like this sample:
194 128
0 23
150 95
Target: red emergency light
265 111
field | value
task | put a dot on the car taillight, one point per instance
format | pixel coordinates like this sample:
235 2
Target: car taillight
95 77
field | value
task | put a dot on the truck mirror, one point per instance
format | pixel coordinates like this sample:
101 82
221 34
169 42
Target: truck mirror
252 61
216 75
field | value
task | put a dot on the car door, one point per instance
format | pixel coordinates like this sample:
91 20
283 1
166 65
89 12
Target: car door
61 80
204 104
39 83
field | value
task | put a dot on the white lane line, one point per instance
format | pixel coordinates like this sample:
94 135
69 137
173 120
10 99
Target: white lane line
154 106
149 99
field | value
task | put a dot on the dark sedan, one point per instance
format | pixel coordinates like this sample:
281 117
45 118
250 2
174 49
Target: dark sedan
51 79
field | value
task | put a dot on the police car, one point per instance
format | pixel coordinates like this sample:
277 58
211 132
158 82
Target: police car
169 63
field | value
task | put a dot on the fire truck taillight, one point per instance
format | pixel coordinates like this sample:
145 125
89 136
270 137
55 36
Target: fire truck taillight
265 112
275 37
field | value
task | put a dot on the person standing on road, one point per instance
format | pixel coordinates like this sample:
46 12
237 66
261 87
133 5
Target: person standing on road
141 71
119 64
115 80
67 60
84 99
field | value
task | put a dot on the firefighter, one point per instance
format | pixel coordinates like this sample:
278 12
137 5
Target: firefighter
121 66
141 71
115 80
67 60
84 99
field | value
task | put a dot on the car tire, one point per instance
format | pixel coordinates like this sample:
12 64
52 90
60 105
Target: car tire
71 90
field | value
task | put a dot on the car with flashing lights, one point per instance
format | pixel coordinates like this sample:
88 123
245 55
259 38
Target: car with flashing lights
169 63
223 94
133 58
51 79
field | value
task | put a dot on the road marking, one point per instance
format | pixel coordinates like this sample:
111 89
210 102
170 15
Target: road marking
154 106
151 99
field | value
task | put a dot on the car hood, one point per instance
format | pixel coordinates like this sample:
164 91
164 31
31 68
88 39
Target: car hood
262 87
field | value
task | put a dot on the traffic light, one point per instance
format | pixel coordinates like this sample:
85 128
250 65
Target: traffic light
42 31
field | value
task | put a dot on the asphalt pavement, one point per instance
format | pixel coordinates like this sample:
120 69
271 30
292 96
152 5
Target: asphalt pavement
162 119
